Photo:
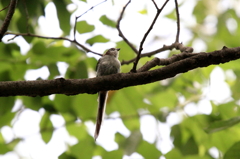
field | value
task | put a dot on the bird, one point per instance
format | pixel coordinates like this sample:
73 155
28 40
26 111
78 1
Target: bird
108 64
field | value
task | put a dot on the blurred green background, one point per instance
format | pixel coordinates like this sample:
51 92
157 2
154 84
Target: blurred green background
194 115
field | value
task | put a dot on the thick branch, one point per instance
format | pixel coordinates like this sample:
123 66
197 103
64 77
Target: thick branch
116 81
8 18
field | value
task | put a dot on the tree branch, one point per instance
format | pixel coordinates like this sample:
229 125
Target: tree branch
164 62
8 18
178 22
76 18
116 81
5 8
55 38
120 31
178 46
146 34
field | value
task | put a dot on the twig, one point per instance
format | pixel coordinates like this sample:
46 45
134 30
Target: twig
178 22
91 8
155 4
5 8
178 46
76 18
164 62
55 38
146 34
120 32
8 18
149 54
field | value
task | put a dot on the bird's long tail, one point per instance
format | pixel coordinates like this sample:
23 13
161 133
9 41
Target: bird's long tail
102 97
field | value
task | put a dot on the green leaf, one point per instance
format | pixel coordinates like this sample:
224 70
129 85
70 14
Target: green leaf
198 11
78 72
22 27
126 52
85 106
7 104
105 20
77 130
221 125
174 153
228 110
6 118
91 63
4 148
34 8
97 39
63 103
148 150
53 69
84 149
46 127
63 15
116 154
39 48
84 27
132 142
65 155
171 15
34 103
164 98
233 152
144 11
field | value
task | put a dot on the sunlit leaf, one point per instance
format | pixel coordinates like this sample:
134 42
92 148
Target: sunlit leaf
5 119
148 150
233 152
105 20
221 125
34 103
97 39
86 146
84 27
53 69
7 104
4 149
66 156
63 15
85 106
46 127
174 153
132 142
77 130
63 103
144 11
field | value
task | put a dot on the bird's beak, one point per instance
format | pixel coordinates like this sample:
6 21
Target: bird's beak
118 49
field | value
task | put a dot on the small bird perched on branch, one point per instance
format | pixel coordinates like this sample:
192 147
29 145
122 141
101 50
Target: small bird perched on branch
107 65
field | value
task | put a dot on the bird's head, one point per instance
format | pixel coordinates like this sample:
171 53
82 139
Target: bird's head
113 52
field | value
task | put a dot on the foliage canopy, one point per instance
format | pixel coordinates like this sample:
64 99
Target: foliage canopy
198 134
